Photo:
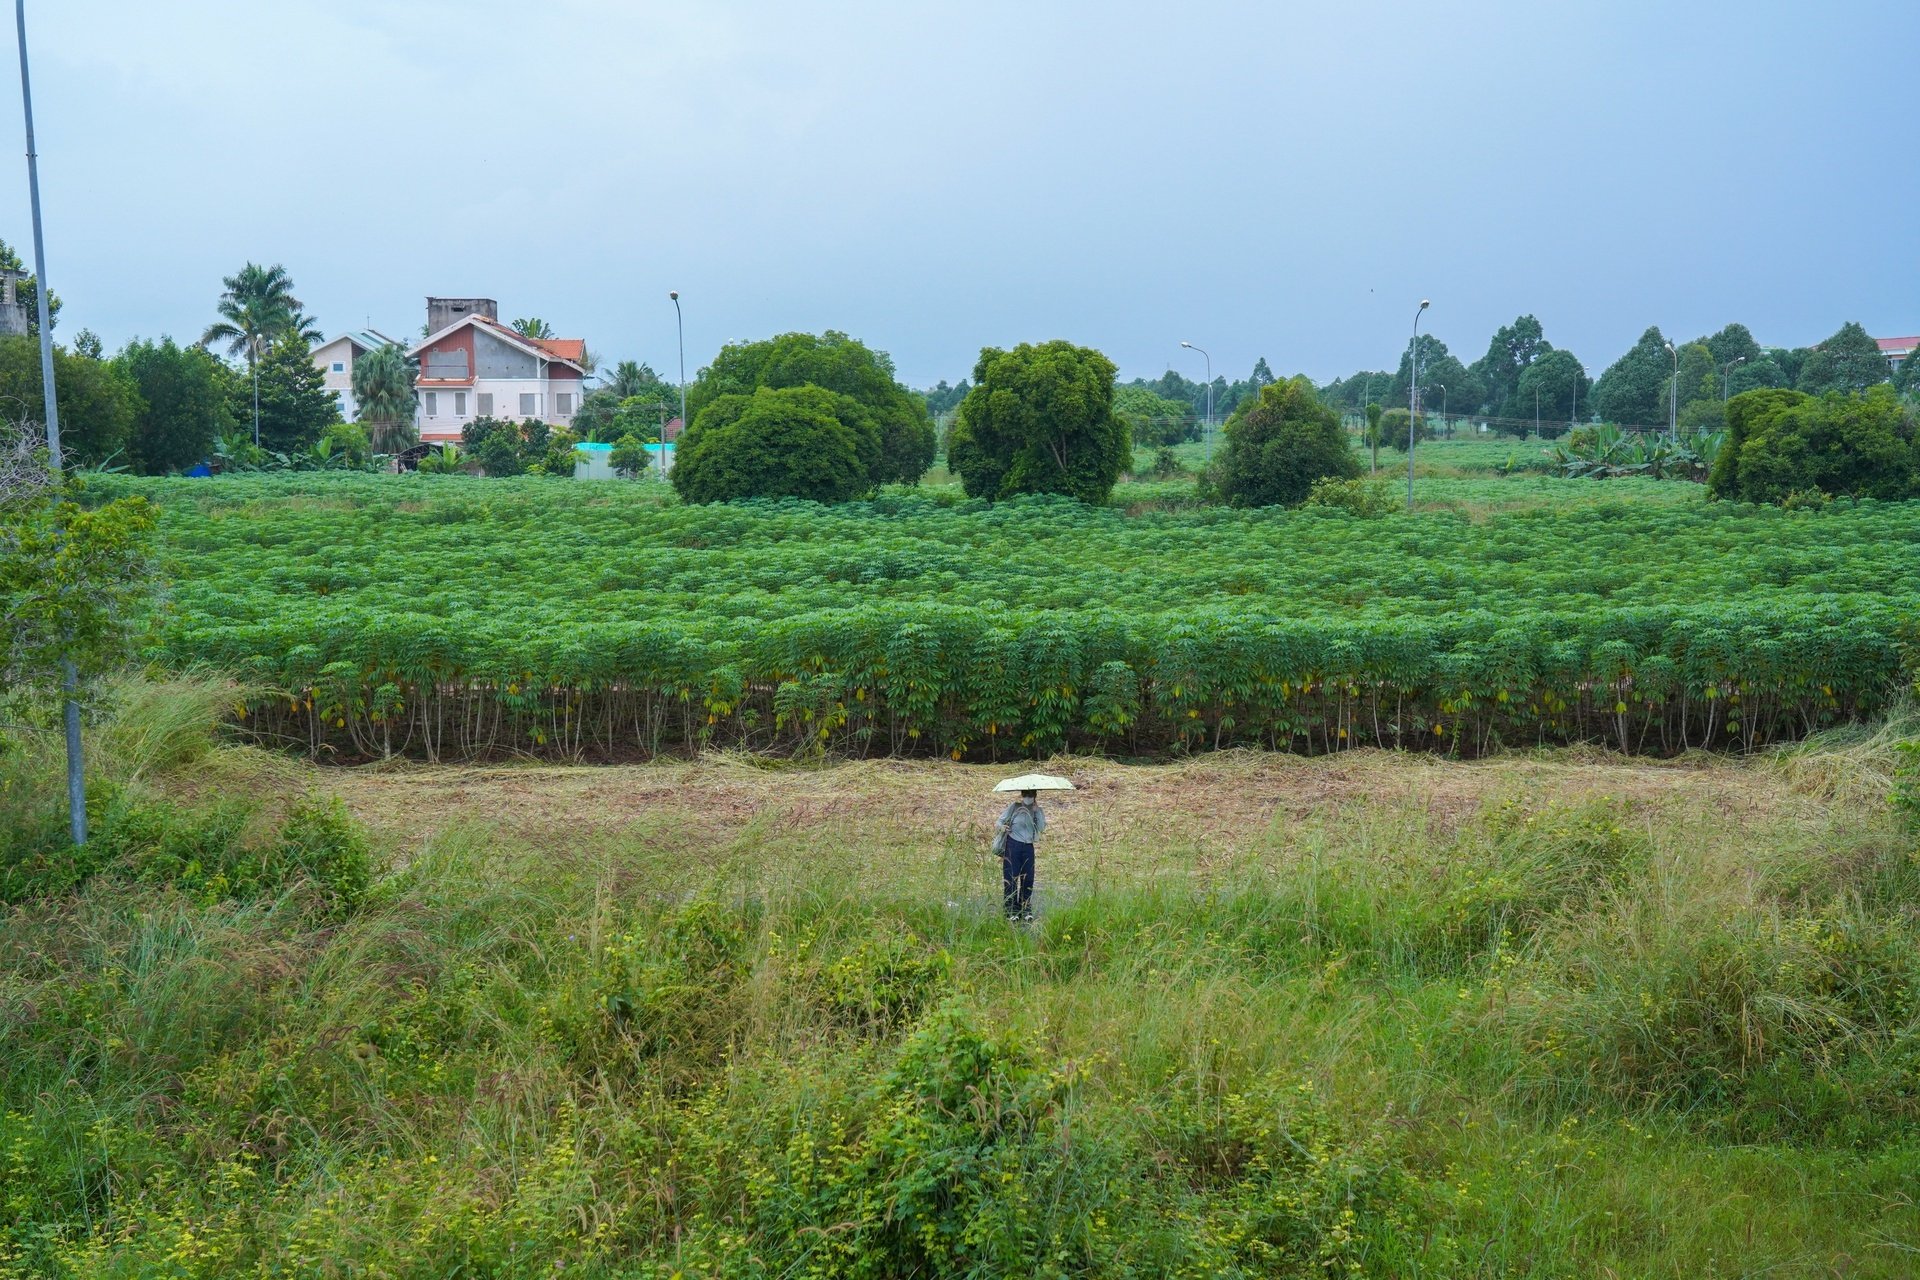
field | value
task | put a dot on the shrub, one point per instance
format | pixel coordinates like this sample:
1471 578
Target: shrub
1393 429
1367 496
1782 442
1279 443
786 443
630 456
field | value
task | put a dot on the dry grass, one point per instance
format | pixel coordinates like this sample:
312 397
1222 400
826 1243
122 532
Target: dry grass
1217 809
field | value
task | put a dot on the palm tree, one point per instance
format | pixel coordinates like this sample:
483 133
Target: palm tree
383 388
630 378
257 306
533 327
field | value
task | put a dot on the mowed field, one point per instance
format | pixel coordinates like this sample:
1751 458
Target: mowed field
1557 1014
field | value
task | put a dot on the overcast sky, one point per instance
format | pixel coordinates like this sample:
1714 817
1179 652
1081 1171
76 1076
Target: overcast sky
1265 179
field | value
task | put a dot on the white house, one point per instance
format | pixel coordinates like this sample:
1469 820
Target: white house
472 366
335 358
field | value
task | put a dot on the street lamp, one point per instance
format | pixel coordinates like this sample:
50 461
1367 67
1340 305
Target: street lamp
1673 398
1443 411
1189 346
1413 395
681 329
1726 373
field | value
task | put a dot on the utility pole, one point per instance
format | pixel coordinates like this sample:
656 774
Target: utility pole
681 329
1673 396
69 677
1413 396
1189 346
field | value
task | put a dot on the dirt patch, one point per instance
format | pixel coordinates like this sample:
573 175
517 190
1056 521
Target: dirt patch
1223 805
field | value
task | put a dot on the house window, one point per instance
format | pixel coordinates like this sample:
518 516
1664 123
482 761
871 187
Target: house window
338 367
563 403
433 403
529 403
459 404
486 404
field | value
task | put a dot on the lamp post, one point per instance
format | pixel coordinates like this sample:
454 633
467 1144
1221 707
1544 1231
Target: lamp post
1413 395
69 677
1726 373
1189 346
1673 397
1443 411
680 328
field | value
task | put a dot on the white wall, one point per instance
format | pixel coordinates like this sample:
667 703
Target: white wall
339 351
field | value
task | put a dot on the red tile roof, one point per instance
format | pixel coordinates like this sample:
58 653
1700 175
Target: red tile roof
1898 344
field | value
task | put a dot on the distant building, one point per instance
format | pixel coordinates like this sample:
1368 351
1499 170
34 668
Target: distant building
473 366
334 359
1897 350
13 311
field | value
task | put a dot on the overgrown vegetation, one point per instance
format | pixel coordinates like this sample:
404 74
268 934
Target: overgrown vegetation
1550 1030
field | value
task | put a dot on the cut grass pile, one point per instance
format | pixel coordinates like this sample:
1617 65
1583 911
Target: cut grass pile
1558 1015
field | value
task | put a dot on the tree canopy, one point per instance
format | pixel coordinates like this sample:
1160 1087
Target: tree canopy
775 442
1279 443
1560 384
1782 442
99 400
383 381
1632 390
868 398
1040 419
295 406
183 404
27 292
1510 351
1849 361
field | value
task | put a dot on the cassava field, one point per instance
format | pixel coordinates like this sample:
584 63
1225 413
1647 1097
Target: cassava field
1562 994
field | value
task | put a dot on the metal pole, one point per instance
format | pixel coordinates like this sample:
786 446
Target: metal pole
1673 396
69 677
1413 397
1189 346
253 344
1726 377
681 329
1444 423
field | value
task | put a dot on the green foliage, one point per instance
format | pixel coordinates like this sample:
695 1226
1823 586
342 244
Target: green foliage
383 382
1153 419
295 406
1039 420
890 422
257 310
559 458
346 444
99 400
1364 496
533 327
618 628
1511 351
1782 442
1849 362
792 442
1279 444
630 456
72 578
1633 389
503 448
184 408
1392 429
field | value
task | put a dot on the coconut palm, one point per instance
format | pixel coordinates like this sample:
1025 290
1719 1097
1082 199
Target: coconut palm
533 327
630 378
383 389
256 307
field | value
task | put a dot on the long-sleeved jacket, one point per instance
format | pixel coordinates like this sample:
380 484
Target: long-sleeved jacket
1023 822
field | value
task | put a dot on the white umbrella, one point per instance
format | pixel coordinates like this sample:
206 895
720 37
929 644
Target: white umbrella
1034 782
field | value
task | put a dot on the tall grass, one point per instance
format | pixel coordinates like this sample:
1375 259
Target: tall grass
1537 1038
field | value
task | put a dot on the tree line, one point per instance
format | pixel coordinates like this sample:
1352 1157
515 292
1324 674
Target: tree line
1524 383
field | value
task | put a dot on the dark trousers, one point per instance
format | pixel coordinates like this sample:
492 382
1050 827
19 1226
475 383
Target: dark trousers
1016 877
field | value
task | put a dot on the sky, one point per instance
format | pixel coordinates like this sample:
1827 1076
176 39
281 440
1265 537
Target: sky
1277 180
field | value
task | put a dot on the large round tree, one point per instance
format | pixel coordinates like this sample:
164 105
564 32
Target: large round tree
867 398
1040 419
787 442
1279 443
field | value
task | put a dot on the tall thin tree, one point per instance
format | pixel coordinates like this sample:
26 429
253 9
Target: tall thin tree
256 307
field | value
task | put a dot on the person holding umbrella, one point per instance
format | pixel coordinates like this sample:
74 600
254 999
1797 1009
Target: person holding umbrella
1020 825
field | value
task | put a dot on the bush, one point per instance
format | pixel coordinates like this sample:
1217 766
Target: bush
630 456
1279 443
785 443
1393 429
1784 442
1361 495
